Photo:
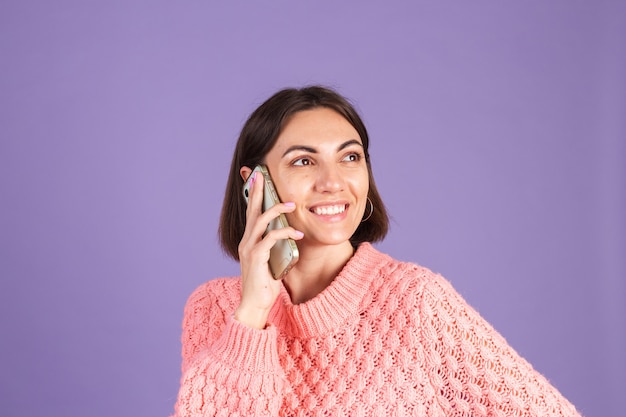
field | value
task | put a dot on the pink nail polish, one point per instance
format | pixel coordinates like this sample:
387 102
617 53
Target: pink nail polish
290 204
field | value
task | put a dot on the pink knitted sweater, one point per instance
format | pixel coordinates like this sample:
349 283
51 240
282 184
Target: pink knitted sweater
386 338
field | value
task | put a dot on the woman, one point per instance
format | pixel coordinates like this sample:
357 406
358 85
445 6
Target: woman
349 331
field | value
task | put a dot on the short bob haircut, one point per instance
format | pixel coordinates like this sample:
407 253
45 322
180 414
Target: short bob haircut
258 136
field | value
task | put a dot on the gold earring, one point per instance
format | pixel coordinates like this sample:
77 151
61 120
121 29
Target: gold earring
371 210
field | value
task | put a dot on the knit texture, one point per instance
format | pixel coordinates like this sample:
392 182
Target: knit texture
386 338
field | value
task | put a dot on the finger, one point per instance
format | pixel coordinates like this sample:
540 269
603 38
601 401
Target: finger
280 234
258 249
255 200
258 227
276 210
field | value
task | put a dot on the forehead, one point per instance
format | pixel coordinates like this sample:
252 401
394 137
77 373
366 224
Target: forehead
319 125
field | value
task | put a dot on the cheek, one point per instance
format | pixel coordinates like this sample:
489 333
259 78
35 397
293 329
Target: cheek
361 185
287 191
295 190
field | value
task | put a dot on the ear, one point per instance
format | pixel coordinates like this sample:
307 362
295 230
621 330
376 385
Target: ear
245 172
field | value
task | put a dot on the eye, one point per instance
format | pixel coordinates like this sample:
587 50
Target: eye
301 162
352 157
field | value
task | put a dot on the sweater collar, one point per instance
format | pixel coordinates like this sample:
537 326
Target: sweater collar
330 308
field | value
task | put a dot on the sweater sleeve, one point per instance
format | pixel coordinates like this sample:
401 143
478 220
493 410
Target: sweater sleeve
475 371
228 368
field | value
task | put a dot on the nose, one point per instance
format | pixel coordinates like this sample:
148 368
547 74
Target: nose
329 179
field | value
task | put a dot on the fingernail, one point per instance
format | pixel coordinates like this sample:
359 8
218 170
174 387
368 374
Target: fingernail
290 204
299 233
253 178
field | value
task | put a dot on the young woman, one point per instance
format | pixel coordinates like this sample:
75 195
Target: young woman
349 331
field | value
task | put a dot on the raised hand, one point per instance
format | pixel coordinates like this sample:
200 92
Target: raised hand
258 288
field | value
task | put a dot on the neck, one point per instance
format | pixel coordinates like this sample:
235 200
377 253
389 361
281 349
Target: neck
315 270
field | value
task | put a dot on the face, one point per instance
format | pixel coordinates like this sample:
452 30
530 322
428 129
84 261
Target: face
318 162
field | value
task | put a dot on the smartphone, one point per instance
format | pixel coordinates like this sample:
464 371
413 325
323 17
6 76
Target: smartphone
284 254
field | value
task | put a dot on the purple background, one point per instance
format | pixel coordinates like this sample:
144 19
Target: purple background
498 142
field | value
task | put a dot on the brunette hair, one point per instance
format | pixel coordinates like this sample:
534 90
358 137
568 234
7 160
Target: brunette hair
258 136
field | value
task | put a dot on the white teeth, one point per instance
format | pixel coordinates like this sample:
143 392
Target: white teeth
330 210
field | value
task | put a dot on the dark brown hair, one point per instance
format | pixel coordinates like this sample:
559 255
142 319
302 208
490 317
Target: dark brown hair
258 136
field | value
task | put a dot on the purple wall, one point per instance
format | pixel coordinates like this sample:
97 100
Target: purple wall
498 142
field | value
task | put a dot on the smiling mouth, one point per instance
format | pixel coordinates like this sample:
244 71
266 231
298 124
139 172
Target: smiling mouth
329 210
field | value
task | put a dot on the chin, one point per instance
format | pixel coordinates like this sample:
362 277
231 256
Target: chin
328 239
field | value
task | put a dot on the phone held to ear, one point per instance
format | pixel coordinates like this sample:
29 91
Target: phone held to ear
284 254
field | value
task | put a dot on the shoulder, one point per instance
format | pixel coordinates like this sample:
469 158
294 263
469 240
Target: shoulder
205 315
414 284
210 303
406 275
219 292
433 301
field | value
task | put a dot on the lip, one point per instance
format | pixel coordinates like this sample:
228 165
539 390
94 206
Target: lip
330 209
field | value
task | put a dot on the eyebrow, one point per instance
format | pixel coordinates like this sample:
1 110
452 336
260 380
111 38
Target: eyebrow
313 150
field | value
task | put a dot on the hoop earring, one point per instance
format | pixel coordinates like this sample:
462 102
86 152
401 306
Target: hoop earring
371 210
